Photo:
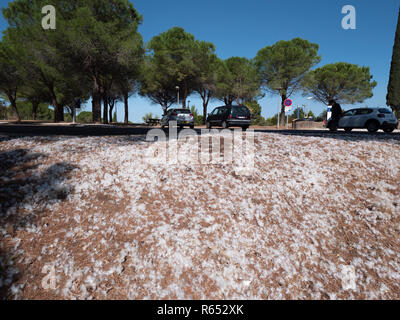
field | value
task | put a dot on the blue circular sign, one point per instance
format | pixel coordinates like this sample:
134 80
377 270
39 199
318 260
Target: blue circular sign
288 103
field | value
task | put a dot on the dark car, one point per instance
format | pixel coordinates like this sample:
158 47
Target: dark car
229 116
183 117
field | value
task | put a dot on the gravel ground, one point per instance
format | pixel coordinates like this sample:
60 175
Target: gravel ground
99 218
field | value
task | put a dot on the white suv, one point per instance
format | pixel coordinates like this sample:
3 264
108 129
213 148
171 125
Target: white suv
371 119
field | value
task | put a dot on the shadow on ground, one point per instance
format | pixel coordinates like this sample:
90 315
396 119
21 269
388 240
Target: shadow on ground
24 193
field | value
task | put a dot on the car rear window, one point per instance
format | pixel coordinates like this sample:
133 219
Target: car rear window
184 111
240 111
387 111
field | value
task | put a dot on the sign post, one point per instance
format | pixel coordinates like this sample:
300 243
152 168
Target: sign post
288 103
279 111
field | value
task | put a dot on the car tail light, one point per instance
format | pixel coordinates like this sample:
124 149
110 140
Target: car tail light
174 114
381 115
325 122
230 116
191 115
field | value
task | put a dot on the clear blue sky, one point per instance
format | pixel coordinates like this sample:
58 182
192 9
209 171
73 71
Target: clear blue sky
241 28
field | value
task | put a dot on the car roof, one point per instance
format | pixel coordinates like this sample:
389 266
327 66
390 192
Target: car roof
233 106
365 108
354 109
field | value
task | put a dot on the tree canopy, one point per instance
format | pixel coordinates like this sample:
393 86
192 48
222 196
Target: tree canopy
393 95
344 82
97 52
283 65
238 81
95 42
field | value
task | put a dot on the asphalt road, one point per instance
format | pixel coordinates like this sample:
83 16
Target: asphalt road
8 130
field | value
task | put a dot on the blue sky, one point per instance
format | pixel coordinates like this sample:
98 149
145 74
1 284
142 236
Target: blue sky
241 28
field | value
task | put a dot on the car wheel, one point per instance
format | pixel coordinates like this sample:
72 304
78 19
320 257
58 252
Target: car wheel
224 125
191 126
348 129
208 125
332 127
245 128
372 126
388 130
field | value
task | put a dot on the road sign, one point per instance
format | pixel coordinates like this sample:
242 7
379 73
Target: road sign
288 109
288 103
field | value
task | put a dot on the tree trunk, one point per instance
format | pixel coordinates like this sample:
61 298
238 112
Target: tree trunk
282 119
204 112
14 106
185 95
126 121
110 110
105 109
58 110
205 96
96 107
35 106
96 102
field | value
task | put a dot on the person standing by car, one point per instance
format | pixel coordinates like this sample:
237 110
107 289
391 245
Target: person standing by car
336 113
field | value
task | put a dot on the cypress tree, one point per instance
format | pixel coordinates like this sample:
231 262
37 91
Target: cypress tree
393 96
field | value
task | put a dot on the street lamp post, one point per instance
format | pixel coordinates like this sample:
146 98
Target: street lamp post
177 90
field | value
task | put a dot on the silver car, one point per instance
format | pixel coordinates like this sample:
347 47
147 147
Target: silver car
183 117
371 119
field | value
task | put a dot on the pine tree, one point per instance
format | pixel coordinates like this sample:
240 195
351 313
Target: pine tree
393 96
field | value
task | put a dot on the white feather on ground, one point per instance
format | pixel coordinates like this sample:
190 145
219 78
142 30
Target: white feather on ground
115 225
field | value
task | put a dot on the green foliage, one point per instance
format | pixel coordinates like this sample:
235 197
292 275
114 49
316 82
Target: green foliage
67 117
322 116
84 117
310 114
273 121
175 60
147 117
44 113
301 113
3 112
237 80
10 75
255 109
198 119
95 44
158 83
393 95
344 82
114 118
106 46
283 65
207 63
